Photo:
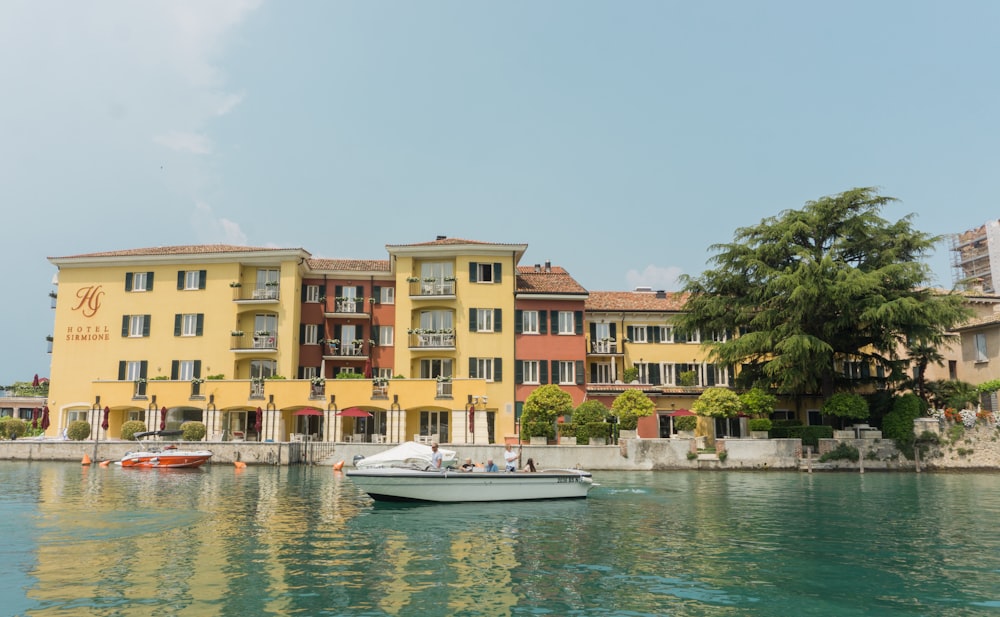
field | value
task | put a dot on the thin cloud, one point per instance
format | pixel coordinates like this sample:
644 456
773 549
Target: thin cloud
657 277
185 142
228 103
211 229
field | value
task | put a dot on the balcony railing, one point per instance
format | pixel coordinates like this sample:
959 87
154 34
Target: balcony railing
262 293
345 350
432 340
349 306
256 389
444 389
608 346
433 288
267 342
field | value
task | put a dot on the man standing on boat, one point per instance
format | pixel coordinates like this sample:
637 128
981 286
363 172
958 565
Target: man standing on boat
510 457
435 456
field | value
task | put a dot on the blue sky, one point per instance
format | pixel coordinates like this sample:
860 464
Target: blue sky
617 139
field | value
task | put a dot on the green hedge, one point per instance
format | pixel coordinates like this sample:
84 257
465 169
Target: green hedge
78 430
810 435
12 428
600 430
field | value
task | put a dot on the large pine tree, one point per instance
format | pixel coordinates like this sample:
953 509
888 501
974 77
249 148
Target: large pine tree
809 289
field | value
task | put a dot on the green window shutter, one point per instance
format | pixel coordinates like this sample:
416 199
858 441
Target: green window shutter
656 333
579 372
376 332
543 372
199 327
518 321
359 293
302 334
614 331
497 369
630 332
578 322
473 272
145 324
555 371
125 325
518 371
554 315
175 369
202 278
472 320
143 369
542 323
496 272
709 374
197 369
497 320
593 333
518 410
149 281
302 293
121 370
338 291
377 294
472 368
654 374
177 324
180 279
593 372
322 291
128 282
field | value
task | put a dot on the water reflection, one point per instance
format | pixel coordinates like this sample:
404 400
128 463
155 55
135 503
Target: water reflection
305 541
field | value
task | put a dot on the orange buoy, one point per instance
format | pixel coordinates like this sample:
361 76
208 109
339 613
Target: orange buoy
338 465
86 460
104 463
239 464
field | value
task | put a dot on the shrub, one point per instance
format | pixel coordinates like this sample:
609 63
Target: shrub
599 430
540 428
630 374
542 408
810 435
130 428
759 424
685 423
631 405
12 428
846 405
718 403
843 452
758 403
898 423
78 430
193 431
587 412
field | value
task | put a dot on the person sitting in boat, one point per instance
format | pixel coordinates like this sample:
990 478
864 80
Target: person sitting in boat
530 466
467 465
491 467
435 456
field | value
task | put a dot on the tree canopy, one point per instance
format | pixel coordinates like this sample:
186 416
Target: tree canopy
542 407
718 403
810 289
631 405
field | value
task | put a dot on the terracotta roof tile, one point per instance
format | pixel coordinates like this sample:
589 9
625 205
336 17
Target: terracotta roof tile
553 281
980 322
633 301
453 241
350 265
189 249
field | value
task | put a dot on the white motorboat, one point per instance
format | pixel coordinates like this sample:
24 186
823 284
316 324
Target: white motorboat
422 483
406 454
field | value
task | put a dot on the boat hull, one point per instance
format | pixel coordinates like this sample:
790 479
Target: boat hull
456 487
177 459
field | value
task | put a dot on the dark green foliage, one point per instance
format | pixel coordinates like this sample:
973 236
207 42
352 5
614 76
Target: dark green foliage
810 435
685 423
193 431
587 412
811 288
600 430
78 430
543 406
879 404
631 405
843 452
12 428
898 424
759 424
130 428
953 393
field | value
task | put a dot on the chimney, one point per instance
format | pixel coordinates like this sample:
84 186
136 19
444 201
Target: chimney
442 237
661 294
538 267
548 266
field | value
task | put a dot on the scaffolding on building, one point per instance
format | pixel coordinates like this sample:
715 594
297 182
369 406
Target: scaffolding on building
972 253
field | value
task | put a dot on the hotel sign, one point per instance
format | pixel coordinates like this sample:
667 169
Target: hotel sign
88 305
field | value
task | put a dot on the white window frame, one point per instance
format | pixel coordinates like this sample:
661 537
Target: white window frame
346 370
603 370
386 334
484 320
133 370
75 415
384 373
484 368
312 293
643 376
666 334
262 368
437 320
529 322
387 295
192 280
139 281
640 334
721 374
567 372
309 372
310 334
484 272
529 372
135 325
668 373
185 370
189 324
979 341
695 337
432 368
719 336
567 323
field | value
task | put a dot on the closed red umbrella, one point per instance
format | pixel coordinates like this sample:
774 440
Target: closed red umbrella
45 418
257 425
34 382
368 368
104 423
163 419
34 417
472 418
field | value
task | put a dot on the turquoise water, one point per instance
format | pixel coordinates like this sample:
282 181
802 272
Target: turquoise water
304 541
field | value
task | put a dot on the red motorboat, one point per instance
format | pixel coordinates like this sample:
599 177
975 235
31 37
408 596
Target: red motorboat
167 457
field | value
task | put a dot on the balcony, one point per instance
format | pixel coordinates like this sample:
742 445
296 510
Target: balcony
264 293
351 306
444 389
261 341
345 350
604 346
432 288
432 340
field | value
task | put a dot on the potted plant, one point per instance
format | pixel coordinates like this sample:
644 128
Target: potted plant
759 427
236 284
598 433
237 333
